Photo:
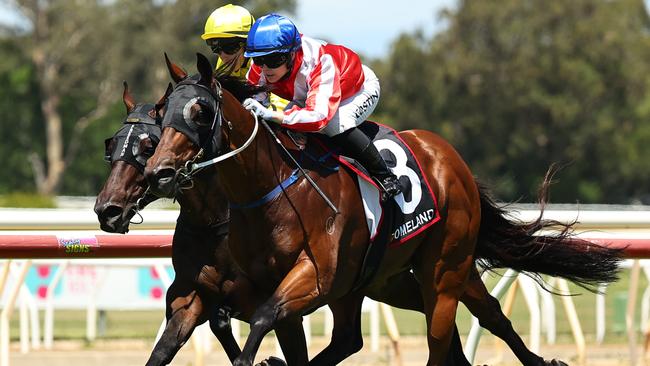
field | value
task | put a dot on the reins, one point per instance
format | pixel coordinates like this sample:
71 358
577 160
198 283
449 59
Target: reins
191 167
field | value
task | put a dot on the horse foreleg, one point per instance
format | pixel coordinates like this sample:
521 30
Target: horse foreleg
296 294
488 311
184 311
346 335
243 296
221 328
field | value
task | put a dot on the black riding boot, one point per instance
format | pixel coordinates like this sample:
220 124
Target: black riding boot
358 146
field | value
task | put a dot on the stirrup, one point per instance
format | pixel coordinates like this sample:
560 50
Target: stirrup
390 187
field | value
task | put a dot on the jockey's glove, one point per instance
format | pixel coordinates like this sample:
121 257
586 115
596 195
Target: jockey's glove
262 112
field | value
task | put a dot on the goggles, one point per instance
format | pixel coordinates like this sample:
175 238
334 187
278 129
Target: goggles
229 46
273 60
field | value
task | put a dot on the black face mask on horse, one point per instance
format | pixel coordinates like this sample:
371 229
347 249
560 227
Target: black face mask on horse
127 151
136 141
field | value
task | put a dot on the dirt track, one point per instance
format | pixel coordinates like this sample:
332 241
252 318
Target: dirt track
413 349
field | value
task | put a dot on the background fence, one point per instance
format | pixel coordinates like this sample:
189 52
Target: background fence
57 259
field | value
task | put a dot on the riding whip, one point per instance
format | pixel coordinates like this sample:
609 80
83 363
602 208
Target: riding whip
304 173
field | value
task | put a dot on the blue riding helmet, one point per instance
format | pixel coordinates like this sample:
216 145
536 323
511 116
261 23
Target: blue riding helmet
272 33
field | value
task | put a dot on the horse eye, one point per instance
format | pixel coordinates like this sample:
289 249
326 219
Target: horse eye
144 147
147 147
201 117
109 146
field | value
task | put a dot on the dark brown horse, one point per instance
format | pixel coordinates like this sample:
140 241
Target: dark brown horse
207 285
125 190
296 246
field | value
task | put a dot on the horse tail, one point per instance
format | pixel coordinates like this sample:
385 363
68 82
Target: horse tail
542 246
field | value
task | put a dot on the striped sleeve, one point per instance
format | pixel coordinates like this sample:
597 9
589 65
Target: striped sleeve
323 98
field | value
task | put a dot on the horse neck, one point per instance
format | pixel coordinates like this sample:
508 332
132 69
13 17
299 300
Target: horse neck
256 170
204 204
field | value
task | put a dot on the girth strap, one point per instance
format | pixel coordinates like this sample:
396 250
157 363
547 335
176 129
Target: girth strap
293 178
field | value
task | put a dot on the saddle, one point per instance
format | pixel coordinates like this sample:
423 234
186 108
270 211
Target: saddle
391 223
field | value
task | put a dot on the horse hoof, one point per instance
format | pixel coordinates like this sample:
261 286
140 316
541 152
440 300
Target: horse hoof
272 361
555 362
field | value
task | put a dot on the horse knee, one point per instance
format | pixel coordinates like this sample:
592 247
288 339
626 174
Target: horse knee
265 317
220 320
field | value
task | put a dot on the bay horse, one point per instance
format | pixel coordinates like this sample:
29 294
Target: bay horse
295 246
207 285
192 297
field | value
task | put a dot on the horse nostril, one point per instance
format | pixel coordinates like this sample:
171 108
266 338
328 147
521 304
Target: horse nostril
165 175
111 212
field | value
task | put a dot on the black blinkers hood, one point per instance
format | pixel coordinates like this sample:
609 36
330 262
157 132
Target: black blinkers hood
138 125
177 115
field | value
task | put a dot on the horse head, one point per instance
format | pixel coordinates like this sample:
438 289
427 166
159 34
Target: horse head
127 151
195 126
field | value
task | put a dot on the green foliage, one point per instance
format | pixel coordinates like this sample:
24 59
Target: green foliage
90 47
26 200
514 86
518 86
88 172
19 110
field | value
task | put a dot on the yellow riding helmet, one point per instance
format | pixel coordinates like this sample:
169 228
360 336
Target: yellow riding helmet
228 21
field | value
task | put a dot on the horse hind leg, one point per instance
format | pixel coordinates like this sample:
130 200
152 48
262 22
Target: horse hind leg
444 262
488 311
402 291
440 304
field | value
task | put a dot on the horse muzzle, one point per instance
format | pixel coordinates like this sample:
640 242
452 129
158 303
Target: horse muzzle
114 218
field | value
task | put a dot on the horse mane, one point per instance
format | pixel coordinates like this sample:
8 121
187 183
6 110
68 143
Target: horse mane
239 87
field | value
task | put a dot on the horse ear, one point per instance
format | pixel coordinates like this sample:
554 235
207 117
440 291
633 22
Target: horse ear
205 69
177 72
161 102
127 98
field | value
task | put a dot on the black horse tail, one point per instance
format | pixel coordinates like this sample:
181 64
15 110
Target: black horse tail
542 246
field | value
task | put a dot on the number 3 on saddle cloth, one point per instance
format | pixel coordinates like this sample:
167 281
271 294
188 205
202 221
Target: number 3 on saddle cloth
394 222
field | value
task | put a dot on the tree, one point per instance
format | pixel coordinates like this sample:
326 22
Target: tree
73 56
518 86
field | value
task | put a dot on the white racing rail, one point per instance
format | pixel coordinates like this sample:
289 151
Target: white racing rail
620 226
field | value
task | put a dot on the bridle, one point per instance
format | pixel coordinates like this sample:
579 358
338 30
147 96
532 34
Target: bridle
142 120
209 146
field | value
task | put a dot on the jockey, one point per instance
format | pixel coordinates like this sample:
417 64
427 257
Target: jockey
330 91
225 33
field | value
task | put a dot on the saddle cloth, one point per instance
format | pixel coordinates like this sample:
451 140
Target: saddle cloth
410 212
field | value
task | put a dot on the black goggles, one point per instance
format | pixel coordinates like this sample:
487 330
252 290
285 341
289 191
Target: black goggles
273 60
228 46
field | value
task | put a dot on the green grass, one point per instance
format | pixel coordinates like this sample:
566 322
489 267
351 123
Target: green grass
26 200
144 324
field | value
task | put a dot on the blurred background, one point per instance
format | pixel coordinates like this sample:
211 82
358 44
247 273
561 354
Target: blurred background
514 85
